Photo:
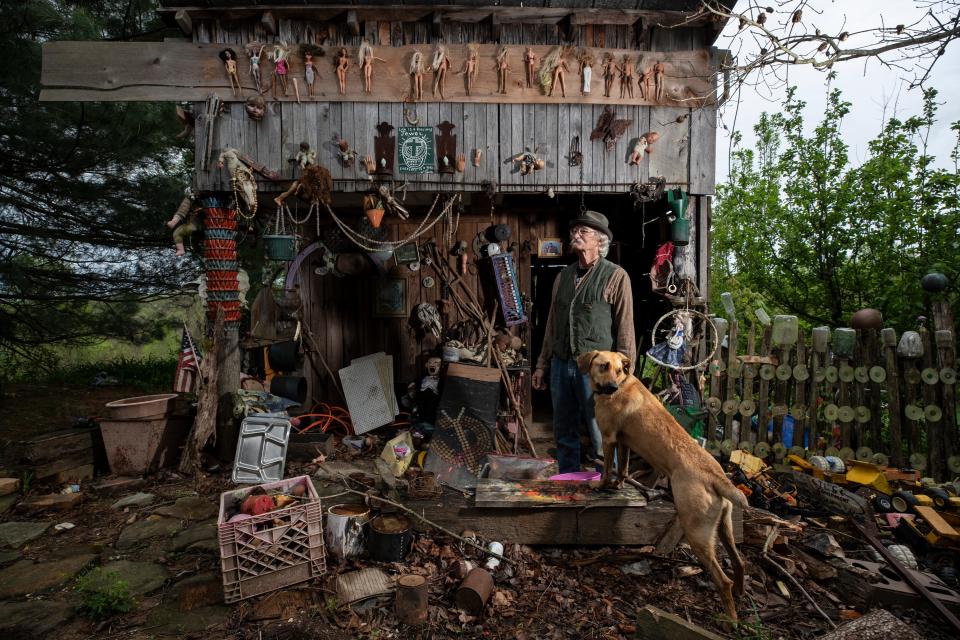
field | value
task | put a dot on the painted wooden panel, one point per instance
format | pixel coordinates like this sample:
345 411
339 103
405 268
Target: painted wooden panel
703 147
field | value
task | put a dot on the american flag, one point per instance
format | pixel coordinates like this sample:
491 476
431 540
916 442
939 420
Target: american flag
187 365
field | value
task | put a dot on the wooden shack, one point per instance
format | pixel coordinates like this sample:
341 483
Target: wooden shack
479 131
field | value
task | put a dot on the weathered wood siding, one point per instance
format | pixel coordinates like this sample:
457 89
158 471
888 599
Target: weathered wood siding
684 155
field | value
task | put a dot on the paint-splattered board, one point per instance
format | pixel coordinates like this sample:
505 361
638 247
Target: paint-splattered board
547 493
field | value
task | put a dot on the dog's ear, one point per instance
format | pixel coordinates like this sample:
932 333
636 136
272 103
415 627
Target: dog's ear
584 360
625 361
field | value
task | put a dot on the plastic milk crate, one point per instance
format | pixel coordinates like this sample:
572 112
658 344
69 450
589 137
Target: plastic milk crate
274 550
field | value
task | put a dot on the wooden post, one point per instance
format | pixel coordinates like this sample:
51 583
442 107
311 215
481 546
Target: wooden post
353 24
751 369
818 358
935 450
889 338
799 393
844 401
946 347
781 394
910 372
183 20
763 412
731 381
873 402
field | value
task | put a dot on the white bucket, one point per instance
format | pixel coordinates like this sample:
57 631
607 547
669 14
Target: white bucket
345 533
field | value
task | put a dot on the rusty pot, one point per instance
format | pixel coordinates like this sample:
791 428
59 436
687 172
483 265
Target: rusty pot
474 591
410 604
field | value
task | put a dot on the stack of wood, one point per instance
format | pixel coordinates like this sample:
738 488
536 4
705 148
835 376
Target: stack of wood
68 455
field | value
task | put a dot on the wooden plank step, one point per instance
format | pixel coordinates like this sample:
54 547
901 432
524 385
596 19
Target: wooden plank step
549 493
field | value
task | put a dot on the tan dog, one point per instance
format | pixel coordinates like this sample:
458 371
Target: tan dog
633 419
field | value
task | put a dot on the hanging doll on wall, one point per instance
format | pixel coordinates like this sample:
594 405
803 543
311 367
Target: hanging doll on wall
341 62
586 71
423 395
229 58
670 352
416 76
530 65
255 107
440 65
552 69
184 221
627 70
305 156
609 73
644 144
254 52
643 82
366 58
241 179
280 55
503 69
470 66
310 73
659 69
314 186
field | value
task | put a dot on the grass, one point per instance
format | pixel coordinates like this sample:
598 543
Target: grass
104 594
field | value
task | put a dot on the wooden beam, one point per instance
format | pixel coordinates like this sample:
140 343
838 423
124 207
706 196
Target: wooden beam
436 22
353 22
495 27
183 20
450 13
185 71
269 22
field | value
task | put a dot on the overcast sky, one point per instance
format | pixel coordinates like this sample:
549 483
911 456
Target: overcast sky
876 91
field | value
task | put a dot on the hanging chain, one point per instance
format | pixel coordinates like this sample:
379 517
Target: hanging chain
313 205
583 206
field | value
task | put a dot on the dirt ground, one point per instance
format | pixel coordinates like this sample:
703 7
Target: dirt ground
545 592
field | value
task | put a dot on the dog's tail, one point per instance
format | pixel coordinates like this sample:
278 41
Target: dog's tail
726 489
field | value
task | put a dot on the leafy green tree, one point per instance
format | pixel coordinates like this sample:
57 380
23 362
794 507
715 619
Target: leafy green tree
799 229
84 188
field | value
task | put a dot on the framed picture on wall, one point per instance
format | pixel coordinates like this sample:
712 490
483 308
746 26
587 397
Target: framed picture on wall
550 248
407 253
390 298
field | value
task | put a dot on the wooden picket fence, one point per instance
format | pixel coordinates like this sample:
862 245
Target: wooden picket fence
872 401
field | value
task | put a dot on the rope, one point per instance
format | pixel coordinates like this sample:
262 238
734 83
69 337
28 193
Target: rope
370 244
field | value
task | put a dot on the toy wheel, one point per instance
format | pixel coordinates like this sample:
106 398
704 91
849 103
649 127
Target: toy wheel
883 503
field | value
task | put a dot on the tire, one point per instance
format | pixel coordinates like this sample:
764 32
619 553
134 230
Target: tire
883 503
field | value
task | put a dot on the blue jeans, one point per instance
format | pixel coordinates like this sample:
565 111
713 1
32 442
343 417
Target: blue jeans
572 404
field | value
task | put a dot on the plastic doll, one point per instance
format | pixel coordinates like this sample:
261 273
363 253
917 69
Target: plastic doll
309 71
342 62
254 52
530 64
229 58
609 70
184 221
305 156
241 179
586 72
503 69
365 59
626 70
440 66
279 56
658 71
470 68
416 76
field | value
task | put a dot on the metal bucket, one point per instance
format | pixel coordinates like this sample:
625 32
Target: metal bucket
390 538
346 528
138 447
284 356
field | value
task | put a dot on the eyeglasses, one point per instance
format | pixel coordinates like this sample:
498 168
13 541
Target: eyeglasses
582 231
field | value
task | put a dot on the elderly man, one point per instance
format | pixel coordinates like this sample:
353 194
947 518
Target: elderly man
591 308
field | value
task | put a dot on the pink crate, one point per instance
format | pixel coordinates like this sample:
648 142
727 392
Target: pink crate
272 551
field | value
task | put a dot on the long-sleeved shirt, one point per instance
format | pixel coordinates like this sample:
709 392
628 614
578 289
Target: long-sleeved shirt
619 295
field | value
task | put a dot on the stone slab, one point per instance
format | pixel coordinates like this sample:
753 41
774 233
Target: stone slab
200 590
143 530
50 502
190 508
27 576
141 577
7 502
14 535
33 619
8 485
83 473
138 499
115 486
200 532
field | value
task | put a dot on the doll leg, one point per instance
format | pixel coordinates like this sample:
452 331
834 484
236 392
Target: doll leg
174 221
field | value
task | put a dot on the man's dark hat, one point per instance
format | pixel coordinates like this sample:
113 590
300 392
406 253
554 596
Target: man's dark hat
594 220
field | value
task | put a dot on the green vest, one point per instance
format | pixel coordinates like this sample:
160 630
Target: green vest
582 319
